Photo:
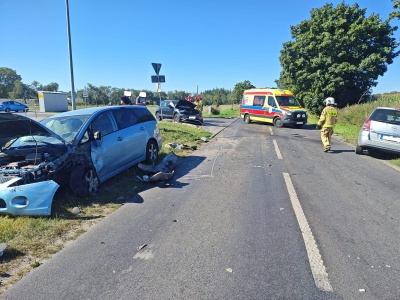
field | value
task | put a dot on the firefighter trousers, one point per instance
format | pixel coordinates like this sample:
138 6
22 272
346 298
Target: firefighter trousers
326 134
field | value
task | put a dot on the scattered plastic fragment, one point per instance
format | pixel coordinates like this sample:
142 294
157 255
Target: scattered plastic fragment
361 290
76 210
229 270
3 247
141 247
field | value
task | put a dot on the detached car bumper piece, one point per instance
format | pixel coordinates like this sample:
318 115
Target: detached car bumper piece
34 199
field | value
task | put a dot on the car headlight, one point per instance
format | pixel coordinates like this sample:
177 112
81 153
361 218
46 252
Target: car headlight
289 113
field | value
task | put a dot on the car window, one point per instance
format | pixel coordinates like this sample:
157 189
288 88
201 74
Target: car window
258 100
271 101
124 117
103 123
144 115
386 116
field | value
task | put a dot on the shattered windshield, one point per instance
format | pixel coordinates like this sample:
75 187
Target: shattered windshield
287 101
67 126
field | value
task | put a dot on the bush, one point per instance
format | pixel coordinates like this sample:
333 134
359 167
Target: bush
215 110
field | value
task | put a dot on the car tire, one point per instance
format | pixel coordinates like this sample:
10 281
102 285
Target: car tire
151 152
158 116
359 150
176 118
7 110
84 181
247 119
278 122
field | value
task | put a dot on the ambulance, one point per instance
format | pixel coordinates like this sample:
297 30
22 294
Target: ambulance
272 105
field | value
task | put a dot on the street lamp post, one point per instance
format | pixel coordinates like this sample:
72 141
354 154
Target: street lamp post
70 58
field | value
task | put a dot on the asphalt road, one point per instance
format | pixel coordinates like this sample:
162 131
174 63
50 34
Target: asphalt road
257 213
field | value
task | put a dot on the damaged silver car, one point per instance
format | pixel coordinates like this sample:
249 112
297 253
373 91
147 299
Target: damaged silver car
79 149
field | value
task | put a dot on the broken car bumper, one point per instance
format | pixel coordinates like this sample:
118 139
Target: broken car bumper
32 199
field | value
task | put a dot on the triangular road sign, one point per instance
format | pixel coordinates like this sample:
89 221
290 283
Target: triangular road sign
156 67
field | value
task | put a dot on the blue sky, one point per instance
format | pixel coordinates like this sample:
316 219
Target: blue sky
201 44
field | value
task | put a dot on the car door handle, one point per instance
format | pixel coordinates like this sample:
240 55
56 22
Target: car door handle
120 138
141 128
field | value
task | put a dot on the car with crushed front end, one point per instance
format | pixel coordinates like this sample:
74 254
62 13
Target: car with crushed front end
79 149
380 132
178 111
11 105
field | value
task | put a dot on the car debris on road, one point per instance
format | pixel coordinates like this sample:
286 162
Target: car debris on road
164 171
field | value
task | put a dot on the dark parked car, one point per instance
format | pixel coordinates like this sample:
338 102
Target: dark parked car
11 105
381 131
79 149
178 111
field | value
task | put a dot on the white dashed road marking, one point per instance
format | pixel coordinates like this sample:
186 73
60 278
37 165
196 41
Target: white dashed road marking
278 152
316 263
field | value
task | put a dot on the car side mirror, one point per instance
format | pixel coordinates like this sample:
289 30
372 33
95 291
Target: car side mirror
97 137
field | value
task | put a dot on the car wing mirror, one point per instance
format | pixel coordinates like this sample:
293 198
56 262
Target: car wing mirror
98 137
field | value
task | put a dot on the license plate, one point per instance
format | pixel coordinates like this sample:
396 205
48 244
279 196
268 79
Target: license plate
390 138
299 122
192 117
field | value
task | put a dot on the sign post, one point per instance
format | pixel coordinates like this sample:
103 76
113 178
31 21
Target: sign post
158 79
85 95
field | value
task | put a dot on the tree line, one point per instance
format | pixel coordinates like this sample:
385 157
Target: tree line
338 52
11 86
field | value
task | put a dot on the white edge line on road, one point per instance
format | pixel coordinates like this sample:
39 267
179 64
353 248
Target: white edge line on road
316 263
270 130
278 152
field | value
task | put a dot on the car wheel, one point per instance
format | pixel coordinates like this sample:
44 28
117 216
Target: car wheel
84 181
247 118
158 116
7 110
151 152
176 118
359 150
278 122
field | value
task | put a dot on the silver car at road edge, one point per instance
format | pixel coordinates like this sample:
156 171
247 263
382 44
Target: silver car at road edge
381 131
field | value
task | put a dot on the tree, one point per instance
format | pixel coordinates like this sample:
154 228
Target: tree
51 87
239 88
396 10
8 78
338 53
19 90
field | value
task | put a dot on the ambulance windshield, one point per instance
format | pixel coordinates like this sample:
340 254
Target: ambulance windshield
287 101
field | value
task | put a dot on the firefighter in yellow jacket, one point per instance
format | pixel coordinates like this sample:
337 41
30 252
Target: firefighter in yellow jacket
327 122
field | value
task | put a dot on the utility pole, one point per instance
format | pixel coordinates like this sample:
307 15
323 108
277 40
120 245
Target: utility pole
70 58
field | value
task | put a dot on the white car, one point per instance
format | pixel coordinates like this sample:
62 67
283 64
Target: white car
381 131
